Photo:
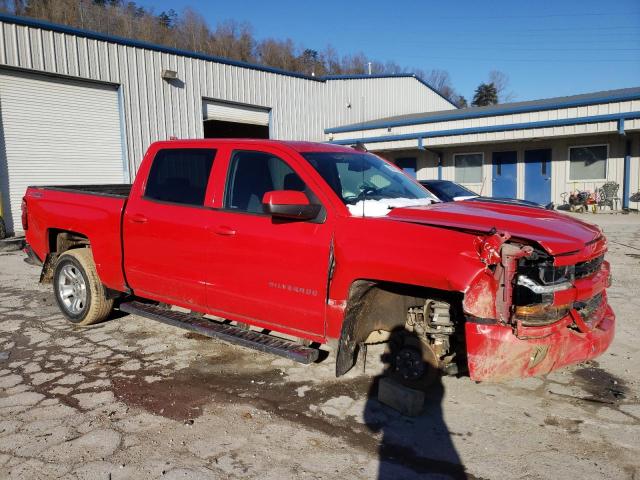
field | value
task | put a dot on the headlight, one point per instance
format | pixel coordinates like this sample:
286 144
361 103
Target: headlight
551 275
534 315
525 281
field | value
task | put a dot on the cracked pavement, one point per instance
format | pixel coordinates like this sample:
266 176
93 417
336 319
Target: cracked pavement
132 398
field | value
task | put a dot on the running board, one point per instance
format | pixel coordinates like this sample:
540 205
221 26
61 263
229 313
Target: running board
228 333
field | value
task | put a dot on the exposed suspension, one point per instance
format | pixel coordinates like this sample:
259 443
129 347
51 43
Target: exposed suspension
432 324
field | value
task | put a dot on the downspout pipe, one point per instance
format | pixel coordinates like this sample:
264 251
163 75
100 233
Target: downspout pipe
438 154
626 182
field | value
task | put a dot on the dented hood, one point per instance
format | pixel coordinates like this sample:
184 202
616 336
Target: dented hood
554 231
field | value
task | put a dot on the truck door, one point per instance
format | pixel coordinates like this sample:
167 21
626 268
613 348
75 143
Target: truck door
273 272
165 232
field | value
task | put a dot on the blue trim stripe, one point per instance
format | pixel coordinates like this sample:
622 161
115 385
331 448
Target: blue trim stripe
493 128
470 113
33 23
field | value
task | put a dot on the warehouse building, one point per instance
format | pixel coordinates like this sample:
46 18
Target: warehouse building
537 150
81 107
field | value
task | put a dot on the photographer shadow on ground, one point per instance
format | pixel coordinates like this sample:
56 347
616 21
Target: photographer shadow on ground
412 447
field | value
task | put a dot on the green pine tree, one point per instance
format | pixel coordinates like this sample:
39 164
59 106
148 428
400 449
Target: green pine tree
485 94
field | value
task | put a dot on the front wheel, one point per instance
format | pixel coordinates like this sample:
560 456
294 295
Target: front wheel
78 290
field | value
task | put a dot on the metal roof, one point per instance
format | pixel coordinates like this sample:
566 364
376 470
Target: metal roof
35 23
605 96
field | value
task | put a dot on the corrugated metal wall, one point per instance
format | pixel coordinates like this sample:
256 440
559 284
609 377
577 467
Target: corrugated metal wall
156 109
374 98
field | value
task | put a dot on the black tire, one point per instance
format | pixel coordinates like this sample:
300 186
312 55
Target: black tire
75 272
3 229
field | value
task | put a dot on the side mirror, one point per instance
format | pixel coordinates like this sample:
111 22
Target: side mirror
289 204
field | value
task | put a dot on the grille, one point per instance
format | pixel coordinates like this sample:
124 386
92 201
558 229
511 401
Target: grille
588 308
585 269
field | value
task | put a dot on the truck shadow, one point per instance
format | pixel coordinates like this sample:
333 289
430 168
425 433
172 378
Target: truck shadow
413 447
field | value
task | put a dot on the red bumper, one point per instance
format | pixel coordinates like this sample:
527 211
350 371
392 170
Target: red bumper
496 353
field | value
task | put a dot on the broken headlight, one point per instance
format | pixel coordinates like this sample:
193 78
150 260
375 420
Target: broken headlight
552 275
533 315
535 285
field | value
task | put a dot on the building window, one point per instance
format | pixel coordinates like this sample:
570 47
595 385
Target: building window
468 167
588 162
180 175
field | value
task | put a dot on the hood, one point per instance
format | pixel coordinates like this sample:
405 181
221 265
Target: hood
556 232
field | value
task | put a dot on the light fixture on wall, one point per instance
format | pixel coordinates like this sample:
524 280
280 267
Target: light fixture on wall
169 74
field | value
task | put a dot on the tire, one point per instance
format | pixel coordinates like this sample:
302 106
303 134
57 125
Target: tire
3 229
78 290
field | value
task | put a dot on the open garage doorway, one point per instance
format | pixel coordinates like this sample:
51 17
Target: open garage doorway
232 120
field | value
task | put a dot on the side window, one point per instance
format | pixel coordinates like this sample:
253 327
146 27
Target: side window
252 174
180 175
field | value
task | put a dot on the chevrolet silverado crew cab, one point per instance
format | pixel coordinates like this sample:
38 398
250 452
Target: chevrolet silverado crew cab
283 246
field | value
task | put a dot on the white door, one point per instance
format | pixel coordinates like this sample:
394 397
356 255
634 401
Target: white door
56 131
236 113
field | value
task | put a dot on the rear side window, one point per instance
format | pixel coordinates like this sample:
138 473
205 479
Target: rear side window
180 175
252 174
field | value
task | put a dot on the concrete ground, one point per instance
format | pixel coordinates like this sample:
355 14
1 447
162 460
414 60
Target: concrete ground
131 398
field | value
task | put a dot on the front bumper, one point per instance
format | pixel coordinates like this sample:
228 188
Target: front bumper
495 352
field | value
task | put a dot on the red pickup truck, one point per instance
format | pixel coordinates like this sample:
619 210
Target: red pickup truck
297 244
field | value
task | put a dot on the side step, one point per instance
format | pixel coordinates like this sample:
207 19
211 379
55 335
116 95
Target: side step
228 333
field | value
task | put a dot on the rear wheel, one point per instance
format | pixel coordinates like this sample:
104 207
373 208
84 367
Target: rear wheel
3 229
78 290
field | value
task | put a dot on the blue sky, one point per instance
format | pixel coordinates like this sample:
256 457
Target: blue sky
548 48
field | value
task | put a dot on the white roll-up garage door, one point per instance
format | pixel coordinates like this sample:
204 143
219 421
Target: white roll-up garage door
231 112
55 132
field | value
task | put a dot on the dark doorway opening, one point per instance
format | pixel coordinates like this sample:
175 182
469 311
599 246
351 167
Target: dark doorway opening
219 129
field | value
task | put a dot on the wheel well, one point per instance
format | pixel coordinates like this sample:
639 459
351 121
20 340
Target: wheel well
376 306
62 240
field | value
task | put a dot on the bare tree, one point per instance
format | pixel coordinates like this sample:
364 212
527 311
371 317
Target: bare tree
500 81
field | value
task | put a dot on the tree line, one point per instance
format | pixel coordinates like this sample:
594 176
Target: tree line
229 39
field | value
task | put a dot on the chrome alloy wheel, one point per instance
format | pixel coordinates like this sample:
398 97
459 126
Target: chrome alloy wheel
72 289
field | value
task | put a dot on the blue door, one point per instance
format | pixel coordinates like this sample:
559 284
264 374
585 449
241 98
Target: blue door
537 175
408 165
504 174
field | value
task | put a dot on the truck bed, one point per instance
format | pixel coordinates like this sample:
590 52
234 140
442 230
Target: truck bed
112 190
94 211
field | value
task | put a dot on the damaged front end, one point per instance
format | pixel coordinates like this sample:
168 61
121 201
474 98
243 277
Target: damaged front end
528 313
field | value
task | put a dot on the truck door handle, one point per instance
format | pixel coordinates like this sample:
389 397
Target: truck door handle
224 230
137 218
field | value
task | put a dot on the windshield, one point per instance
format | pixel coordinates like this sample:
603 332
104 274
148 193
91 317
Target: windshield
366 184
450 190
